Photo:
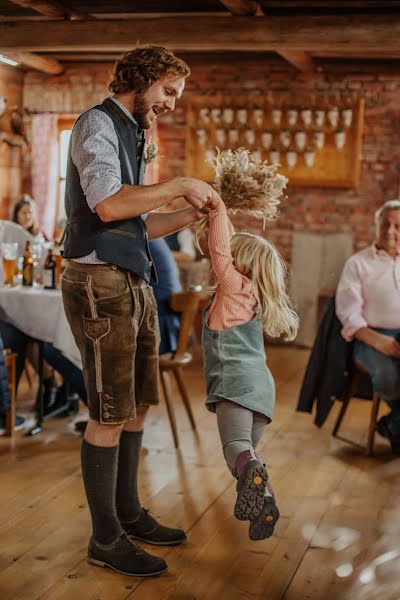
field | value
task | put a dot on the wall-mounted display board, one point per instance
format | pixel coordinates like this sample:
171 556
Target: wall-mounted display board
316 140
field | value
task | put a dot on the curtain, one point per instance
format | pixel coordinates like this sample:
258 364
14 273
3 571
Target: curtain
45 169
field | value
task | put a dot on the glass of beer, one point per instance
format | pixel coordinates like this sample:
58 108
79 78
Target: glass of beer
9 252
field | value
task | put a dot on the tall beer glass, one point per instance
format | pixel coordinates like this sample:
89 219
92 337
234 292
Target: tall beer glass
9 252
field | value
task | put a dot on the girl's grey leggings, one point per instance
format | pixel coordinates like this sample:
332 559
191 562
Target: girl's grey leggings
239 429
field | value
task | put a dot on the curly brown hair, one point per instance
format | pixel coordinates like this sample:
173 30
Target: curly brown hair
137 69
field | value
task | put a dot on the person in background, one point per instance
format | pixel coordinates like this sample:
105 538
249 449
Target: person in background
167 284
24 214
19 342
368 306
182 245
180 242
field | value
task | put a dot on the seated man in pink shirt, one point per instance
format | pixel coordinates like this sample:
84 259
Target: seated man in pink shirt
368 306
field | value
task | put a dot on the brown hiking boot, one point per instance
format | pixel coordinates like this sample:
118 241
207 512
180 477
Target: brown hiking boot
263 526
251 490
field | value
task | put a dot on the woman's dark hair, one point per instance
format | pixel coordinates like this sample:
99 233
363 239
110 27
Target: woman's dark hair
26 199
137 69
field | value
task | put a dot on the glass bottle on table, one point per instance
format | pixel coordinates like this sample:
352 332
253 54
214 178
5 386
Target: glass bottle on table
27 266
49 271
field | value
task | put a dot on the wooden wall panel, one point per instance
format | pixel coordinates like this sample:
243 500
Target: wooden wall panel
11 86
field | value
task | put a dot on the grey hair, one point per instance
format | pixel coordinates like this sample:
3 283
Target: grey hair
389 205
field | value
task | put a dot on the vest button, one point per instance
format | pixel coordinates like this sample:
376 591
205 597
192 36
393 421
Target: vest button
138 158
150 263
106 415
106 397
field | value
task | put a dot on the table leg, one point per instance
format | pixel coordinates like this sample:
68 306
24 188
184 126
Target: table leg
40 395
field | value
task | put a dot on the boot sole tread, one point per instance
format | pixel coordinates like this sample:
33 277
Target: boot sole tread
260 529
250 498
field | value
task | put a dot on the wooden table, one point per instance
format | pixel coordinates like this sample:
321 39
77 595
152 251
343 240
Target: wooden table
39 313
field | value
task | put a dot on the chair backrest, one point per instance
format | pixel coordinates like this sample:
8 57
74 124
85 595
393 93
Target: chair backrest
186 303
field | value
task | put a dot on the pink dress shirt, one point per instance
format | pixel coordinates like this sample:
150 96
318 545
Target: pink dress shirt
234 302
368 294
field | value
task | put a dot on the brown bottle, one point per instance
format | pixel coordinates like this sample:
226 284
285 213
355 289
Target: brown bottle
27 267
49 271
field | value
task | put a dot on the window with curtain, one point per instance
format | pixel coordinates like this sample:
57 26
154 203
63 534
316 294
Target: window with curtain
64 133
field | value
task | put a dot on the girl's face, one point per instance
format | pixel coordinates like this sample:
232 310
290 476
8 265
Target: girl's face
25 216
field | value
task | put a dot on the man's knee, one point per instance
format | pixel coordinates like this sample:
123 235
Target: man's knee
137 423
386 379
100 434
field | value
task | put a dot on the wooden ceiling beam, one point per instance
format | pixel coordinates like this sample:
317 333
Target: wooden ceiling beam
33 61
297 58
51 8
241 7
226 33
315 5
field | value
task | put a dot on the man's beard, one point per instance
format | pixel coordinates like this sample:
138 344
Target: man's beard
141 110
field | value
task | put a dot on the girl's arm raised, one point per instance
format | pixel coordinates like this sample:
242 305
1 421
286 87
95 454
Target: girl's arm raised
219 237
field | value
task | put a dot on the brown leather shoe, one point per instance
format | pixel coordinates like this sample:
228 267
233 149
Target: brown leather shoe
147 529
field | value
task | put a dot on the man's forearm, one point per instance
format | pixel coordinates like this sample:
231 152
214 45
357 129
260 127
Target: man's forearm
162 223
134 200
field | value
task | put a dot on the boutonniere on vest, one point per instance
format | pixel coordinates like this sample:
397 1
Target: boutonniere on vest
150 151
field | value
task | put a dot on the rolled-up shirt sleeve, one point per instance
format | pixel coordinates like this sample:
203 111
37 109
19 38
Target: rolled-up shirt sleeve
94 152
350 300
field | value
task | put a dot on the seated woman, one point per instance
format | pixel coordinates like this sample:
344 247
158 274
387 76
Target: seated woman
24 214
19 343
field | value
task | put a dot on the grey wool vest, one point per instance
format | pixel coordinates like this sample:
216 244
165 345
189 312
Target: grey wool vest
123 243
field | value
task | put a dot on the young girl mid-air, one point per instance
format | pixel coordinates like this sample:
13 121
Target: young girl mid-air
250 298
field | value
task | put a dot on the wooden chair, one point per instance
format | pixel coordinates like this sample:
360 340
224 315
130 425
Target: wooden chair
185 303
11 366
358 371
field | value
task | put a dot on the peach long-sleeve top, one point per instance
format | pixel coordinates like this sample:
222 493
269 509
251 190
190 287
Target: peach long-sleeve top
234 302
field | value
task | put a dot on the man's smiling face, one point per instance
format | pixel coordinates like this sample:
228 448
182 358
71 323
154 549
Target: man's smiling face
159 98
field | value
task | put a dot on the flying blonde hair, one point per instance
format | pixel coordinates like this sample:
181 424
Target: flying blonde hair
261 262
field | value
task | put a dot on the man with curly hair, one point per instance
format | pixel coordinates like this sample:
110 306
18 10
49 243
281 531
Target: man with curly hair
107 298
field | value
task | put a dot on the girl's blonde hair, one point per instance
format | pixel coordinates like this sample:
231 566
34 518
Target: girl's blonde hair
261 262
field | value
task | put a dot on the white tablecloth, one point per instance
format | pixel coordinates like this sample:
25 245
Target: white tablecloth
40 314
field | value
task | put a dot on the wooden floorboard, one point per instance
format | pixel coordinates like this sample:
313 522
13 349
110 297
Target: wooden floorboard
338 536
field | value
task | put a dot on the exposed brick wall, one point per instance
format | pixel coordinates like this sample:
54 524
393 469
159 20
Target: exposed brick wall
11 157
321 210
